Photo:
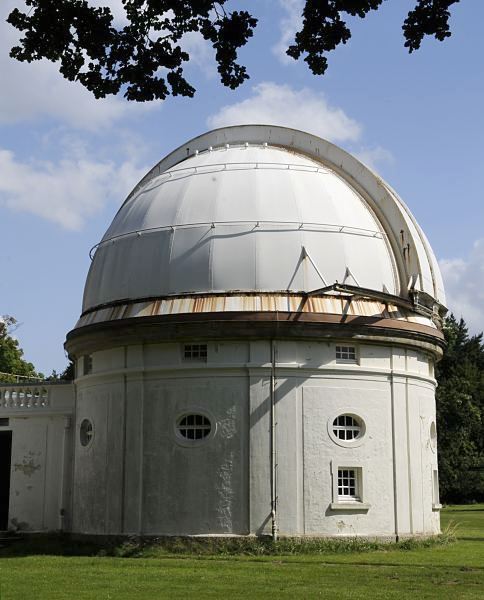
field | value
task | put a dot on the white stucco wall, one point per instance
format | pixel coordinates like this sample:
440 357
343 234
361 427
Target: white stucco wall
138 477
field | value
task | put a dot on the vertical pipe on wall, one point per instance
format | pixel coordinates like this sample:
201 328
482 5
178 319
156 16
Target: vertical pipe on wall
394 449
409 459
65 481
123 452
46 458
73 492
273 444
141 495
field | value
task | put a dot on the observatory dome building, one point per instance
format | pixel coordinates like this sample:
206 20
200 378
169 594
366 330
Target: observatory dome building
256 350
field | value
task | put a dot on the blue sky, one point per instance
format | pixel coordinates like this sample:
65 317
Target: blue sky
67 161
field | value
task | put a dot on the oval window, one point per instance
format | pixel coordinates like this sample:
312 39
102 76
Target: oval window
194 427
86 432
347 428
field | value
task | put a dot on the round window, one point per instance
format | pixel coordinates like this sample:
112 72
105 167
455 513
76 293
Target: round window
86 432
194 427
347 428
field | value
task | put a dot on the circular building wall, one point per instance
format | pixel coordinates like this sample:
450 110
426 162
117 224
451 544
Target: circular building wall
260 324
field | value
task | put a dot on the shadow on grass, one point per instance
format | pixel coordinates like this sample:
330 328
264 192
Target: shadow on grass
135 547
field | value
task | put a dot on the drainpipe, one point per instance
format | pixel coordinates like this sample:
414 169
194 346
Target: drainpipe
273 444
394 448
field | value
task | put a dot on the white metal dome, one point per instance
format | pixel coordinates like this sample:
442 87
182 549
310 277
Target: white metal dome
259 209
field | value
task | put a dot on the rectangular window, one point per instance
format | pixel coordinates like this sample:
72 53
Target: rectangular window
435 490
348 485
87 364
4 422
348 489
195 352
346 354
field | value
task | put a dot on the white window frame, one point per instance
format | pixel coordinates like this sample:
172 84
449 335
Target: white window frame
348 354
357 427
195 352
360 416
435 490
433 436
348 503
205 426
187 442
89 435
348 484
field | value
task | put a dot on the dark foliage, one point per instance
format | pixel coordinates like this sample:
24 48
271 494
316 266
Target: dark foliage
145 58
460 415
430 17
68 374
323 29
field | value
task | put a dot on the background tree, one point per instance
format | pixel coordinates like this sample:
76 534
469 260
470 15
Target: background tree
68 374
460 414
12 363
145 58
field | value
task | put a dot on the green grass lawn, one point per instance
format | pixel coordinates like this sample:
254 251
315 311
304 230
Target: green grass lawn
454 570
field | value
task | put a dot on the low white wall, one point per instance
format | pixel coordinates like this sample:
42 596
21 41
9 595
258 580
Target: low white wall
41 461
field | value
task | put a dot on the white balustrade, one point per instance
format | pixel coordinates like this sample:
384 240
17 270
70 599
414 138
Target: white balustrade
21 396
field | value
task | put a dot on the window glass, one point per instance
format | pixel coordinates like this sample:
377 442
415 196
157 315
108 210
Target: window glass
195 352
346 353
86 432
348 484
347 427
86 364
194 427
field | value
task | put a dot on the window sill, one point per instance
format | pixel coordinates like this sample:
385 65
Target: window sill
349 506
436 507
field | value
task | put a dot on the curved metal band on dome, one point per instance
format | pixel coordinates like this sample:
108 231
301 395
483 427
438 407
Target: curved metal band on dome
178 156
176 174
259 325
297 226
250 300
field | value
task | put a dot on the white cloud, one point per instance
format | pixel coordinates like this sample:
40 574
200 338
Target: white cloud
67 192
35 90
202 54
373 156
290 23
274 104
464 285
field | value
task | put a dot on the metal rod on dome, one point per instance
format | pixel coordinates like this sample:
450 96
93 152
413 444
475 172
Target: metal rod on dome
349 273
305 254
